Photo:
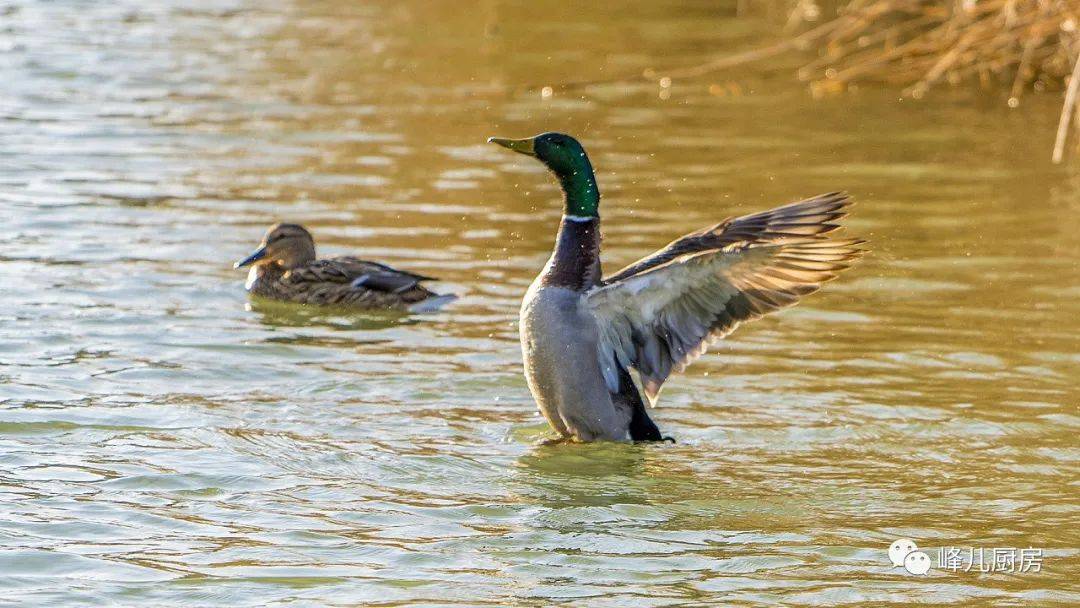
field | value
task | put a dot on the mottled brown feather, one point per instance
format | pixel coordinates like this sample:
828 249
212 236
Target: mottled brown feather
331 281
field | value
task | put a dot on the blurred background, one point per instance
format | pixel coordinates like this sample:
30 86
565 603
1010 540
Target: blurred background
165 441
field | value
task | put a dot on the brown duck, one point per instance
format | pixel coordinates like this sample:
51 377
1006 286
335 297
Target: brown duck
284 267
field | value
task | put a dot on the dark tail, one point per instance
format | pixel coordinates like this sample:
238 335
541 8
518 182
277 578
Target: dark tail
642 428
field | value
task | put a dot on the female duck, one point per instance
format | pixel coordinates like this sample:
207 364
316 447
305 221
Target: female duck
284 267
581 334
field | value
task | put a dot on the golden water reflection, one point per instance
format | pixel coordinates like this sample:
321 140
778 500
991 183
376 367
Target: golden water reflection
166 441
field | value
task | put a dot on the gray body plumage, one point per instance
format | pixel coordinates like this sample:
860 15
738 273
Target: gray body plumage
559 341
581 334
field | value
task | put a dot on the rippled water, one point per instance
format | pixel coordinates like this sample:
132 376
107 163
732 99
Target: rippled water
166 442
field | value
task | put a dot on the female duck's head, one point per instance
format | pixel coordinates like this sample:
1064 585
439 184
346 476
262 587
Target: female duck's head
286 245
566 158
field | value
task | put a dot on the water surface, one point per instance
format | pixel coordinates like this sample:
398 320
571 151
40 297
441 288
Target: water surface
163 441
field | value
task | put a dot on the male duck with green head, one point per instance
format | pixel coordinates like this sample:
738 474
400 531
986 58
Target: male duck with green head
581 334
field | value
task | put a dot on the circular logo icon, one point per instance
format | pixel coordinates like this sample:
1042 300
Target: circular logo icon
917 562
900 549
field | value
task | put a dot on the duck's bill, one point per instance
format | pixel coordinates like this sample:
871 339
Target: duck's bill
524 146
259 254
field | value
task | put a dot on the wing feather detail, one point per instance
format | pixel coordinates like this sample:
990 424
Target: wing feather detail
661 313
356 273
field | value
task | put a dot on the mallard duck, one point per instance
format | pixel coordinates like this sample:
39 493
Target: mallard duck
284 267
581 334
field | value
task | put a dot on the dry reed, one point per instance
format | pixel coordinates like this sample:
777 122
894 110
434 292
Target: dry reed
1012 45
921 43
1021 45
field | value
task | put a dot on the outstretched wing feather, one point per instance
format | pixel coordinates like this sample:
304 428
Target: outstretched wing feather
661 313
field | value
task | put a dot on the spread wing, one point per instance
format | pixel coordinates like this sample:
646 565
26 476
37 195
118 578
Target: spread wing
356 273
662 312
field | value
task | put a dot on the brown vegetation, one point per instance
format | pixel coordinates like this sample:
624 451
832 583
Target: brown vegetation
1021 44
1015 46
917 44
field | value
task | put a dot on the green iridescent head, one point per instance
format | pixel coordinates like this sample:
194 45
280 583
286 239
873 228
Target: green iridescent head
567 160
